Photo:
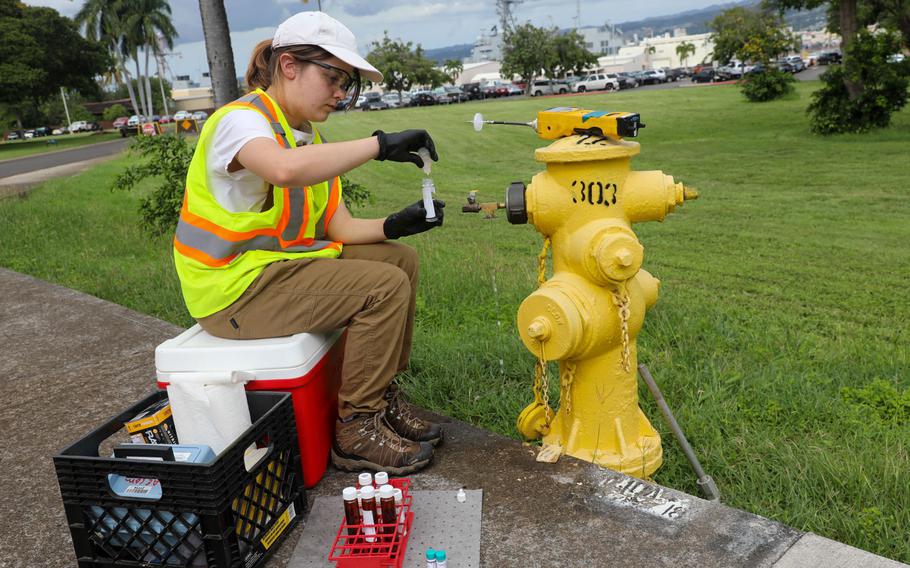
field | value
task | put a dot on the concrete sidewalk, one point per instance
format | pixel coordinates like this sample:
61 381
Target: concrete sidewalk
69 361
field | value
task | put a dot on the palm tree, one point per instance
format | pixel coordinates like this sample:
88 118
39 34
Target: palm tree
102 20
218 51
453 68
145 21
684 50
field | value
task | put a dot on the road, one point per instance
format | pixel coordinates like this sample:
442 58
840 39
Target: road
39 162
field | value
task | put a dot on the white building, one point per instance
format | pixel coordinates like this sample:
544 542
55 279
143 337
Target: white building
602 40
657 52
480 71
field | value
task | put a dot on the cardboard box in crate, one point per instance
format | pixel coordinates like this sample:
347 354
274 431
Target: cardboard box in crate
215 515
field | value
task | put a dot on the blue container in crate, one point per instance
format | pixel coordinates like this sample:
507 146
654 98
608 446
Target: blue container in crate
155 511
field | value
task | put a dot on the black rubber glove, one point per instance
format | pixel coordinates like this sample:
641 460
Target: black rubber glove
412 220
402 146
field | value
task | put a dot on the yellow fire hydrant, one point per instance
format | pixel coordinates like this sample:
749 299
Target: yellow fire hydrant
588 315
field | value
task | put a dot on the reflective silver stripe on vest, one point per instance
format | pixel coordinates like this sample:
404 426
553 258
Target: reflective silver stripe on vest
297 197
220 249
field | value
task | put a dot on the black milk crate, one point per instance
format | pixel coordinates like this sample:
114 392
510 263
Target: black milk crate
215 515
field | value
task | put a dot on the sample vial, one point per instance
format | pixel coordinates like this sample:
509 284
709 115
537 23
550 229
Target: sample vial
431 558
351 509
441 559
368 505
428 189
461 496
381 478
387 506
364 479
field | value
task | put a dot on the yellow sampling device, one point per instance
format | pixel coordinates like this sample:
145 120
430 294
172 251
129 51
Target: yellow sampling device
560 122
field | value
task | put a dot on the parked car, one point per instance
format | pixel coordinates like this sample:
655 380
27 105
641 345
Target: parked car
121 121
13 135
785 65
548 87
704 74
653 77
42 131
28 134
455 94
626 81
513 90
675 74
597 82
797 62
489 89
373 101
473 91
829 57
200 115
182 115
78 126
392 99
92 127
423 98
59 130
136 120
165 119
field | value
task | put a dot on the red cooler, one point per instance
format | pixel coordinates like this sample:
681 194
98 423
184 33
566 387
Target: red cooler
307 365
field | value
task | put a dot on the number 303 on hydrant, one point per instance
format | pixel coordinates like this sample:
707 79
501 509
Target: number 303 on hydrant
587 316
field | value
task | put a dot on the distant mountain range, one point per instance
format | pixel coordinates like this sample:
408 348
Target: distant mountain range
694 21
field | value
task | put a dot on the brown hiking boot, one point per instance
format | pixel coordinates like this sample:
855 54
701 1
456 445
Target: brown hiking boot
400 418
367 443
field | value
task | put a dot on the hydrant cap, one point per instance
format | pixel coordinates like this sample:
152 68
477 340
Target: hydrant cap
516 206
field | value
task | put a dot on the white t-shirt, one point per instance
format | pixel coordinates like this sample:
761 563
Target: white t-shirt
242 190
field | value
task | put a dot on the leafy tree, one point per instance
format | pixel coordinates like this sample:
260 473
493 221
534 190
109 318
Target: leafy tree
114 112
453 68
528 51
884 88
684 50
570 55
859 111
42 51
218 51
749 35
403 68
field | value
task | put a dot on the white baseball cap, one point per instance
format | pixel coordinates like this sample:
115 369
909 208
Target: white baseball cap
318 28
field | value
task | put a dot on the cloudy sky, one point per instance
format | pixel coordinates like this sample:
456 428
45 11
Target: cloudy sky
431 23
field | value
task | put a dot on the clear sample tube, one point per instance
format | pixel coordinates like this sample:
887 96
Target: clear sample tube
428 189
368 505
431 558
399 498
441 561
351 509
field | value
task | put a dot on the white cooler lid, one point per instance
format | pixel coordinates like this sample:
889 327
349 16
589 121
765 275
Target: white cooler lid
194 351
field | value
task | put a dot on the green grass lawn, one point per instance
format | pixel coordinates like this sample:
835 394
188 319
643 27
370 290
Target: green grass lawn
42 145
780 338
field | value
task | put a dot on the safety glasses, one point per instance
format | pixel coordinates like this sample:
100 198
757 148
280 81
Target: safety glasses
339 78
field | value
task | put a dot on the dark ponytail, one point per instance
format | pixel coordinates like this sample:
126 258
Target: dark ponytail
259 71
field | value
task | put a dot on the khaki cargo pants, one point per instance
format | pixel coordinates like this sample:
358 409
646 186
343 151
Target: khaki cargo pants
370 290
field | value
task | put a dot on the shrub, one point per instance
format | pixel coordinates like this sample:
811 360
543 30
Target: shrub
767 85
114 111
168 157
884 88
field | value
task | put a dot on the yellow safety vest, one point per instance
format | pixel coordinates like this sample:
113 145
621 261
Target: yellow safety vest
219 253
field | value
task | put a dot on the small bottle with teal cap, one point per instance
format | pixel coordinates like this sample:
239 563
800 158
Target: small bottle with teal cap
431 558
441 559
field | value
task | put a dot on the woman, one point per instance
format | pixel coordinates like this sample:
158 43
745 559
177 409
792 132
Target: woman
265 246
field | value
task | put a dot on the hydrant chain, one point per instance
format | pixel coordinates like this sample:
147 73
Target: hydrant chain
621 299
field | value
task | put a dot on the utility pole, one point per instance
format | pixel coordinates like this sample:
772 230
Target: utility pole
65 108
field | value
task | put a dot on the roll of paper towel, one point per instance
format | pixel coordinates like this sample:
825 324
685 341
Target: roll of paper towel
214 414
